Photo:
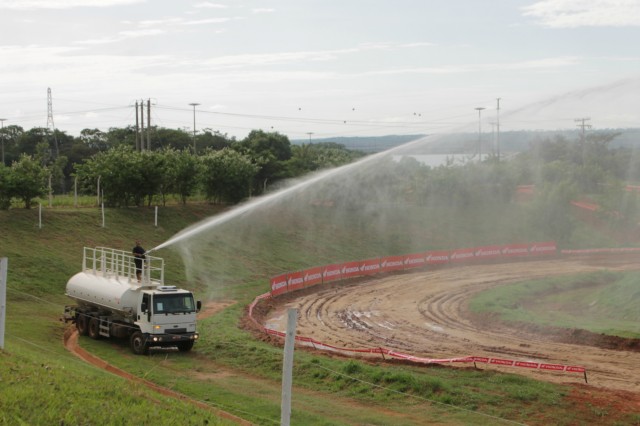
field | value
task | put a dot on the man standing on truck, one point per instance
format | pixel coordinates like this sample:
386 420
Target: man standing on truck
139 255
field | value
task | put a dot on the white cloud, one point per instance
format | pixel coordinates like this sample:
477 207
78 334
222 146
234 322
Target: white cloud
122 35
209 5
61 4
154 22
581 13
546 63
263 10
207 21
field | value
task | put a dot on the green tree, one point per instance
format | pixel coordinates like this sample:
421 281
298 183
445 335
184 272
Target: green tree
94 139
118 171
27 179
227 175
309 157
269 151
164 138
214 140
182 174
5 188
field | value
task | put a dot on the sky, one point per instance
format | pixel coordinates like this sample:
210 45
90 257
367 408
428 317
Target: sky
321 68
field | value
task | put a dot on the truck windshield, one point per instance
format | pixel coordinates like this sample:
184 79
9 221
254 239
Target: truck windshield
173 303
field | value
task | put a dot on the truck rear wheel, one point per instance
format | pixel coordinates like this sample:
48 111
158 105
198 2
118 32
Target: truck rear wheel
94 328
139 343
82 324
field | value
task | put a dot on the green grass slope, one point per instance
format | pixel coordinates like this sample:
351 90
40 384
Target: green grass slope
229 368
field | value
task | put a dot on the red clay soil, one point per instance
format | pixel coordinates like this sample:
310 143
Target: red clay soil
426 314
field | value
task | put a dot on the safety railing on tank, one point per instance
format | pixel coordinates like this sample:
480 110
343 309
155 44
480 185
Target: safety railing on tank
119 264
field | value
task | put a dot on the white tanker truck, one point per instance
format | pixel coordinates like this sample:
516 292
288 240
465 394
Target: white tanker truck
111 302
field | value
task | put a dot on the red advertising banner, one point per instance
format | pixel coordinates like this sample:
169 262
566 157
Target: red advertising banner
279 284
370 266
351 270
312 276
487 252
332 272
295 281
526 364
546 248
575 369
391 263
555 367
515 250
437 257
462 255
415 260
499 361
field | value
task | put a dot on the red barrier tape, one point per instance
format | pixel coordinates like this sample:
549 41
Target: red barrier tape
308 341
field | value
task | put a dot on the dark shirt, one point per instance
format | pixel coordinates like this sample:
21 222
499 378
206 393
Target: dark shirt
139 252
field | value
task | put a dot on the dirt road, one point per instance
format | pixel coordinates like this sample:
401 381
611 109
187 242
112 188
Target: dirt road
425 314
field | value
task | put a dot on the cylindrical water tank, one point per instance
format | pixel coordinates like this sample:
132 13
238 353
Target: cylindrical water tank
88 288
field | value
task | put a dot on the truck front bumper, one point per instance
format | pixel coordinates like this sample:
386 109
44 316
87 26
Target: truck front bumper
166 339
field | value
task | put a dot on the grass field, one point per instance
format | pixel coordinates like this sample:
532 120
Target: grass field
603 302
229 368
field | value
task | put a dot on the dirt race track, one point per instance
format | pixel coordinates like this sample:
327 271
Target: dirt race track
425 314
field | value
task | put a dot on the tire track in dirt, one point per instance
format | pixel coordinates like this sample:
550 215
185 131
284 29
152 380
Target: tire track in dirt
426 314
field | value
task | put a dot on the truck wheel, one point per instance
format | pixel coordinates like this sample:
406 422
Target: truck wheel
82 324
139 343
185 346
94 328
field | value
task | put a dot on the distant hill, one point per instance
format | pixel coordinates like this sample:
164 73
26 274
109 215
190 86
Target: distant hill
368 144
464 143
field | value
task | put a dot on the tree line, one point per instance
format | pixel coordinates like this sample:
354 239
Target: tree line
221 168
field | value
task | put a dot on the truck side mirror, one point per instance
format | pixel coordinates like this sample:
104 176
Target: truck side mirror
198 305
143 307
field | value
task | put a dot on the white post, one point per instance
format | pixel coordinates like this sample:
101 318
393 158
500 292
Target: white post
3 297
103 215
156 218
287 367
39 215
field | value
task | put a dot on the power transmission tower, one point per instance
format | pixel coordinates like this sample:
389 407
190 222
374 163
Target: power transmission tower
50 120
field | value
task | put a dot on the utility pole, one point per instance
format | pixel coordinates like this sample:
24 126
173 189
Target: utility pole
2 120
479 109
498 128
149 124
137 129
309 133
583 125
50 120
194 105
141 125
